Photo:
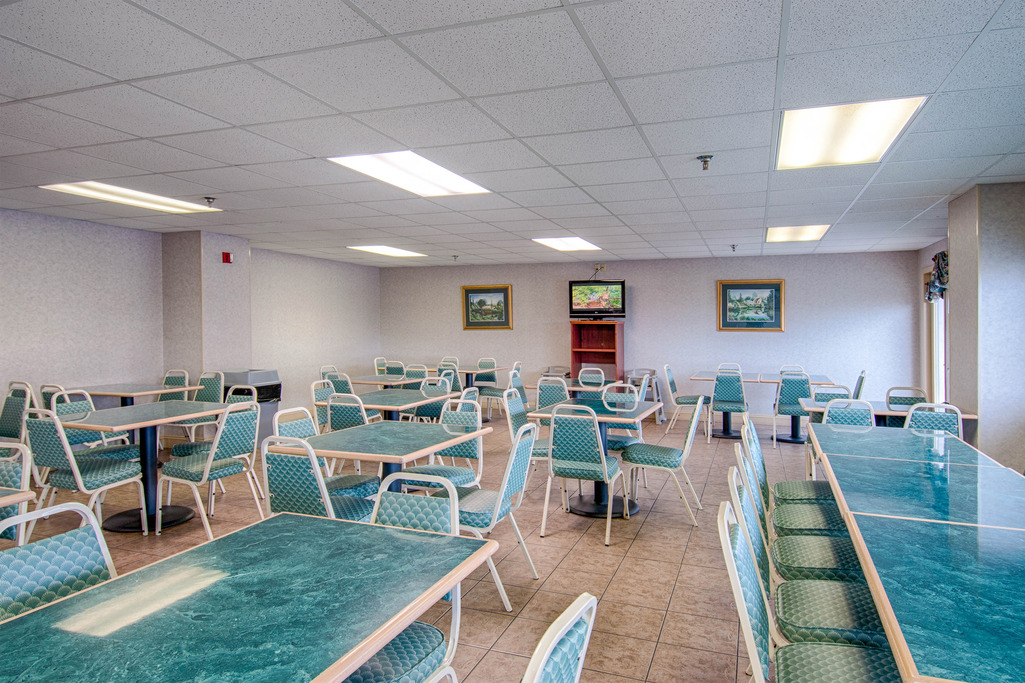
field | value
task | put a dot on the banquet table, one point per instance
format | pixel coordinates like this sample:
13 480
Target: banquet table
939 528
598 503
145 418
289 598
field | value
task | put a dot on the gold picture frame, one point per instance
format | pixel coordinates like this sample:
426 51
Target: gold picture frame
487 307
750 305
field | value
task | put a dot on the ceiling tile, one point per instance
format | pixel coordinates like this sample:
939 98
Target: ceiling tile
824 25
148 155
340 76
643 206
814 195
553 197
410 15
25 120
657 189
572 211
502 214
934 169
469 202
426 125
1013 14
805 214
229 179
132 110
558 110
724 184
501 155
520 179
254 30
754 213
364 192
643 219
49 74
864 74
1011 165
743 200
726 162
13 175
996 59
232 146
10 145
701 93
74 165
238 93
971 109
827 176
81 32
644 36
408 206
921 188
307 172
289 196
958 143
328 136
711 135
575 148
529 52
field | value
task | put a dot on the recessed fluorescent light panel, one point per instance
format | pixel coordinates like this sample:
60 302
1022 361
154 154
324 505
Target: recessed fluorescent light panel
567 243
387 251
846 134
122 195
796 233
411 172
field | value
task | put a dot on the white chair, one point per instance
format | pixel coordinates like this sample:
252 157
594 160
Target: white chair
560 654
941 416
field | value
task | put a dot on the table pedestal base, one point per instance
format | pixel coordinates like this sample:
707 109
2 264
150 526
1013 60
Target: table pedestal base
128 522
727 428
586 506
795 435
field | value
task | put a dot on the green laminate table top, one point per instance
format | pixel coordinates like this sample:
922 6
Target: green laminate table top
879 407
709 376
397 399
939 528
643 410
14 496
290 598
144 415
774 378
390 441
135 390
573 385
383 380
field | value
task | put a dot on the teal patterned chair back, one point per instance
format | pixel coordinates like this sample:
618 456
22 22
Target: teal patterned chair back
551 390
515 411
942 416
38 573
594 377
620 397
394 367
46 438
452 375
519 463
15 471
320 391
326 370
753 491
859 385
453 360
849 411
432 387
413 511
729 388
240 393
46 392
453 413
753 448
742 503
236 432
12 415
793 386
746 591
213 387
300 428
559 656
414 372
346 410
69 403
294 482
470 394
901 397
380 365
670 380
575 436
486 364
174 378
825 393
516 382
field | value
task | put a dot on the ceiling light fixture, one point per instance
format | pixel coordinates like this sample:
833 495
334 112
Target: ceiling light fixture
122 195
387 251
796 233
846 134
567 243
411 172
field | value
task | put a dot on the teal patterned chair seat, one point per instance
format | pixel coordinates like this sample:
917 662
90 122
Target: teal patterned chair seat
410 657
802 491
461 414
816 662
828 612
477 506
351 508
181 450
96 473
355 485
588 471
646 454
190 468
690 400
816 557
803 519
622 442
38 573
459 476
559 657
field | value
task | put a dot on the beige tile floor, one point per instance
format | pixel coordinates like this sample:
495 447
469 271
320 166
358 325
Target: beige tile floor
665 611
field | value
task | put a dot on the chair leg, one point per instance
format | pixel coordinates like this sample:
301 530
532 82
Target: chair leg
691 487
142 507
251 479
202 511
544 511
494 575
690 512
774 444
160 506
211 501
523 546
220 485
672 420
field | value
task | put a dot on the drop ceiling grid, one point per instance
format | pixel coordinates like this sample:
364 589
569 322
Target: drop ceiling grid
579 126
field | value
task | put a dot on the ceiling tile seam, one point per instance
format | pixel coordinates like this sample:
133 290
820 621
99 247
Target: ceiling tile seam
988 28
57 57
596 55
777 100
852 48
181 28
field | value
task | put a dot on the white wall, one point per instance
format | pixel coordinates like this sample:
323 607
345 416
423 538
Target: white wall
310 312
844 313
81 302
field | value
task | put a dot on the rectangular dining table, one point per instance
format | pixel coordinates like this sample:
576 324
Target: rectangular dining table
883 410
939 528
600 500
290 598
129 392
392 443
391 402
470 372
145 418
383 380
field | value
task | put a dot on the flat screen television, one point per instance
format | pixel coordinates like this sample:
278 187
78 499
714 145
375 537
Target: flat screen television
597 299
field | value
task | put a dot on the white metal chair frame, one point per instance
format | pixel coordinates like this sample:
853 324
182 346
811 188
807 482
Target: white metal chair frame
670 379
20 452
848 404
30 518
937 408
379 368
584 608
905 392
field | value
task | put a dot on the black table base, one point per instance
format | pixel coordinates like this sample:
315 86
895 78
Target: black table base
727 428
128 522
587 507
795 435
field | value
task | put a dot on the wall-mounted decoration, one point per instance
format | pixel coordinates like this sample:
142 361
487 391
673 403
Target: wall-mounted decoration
487 307
750 305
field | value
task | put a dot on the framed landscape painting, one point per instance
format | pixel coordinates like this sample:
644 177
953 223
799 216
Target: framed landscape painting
750 305
487 307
